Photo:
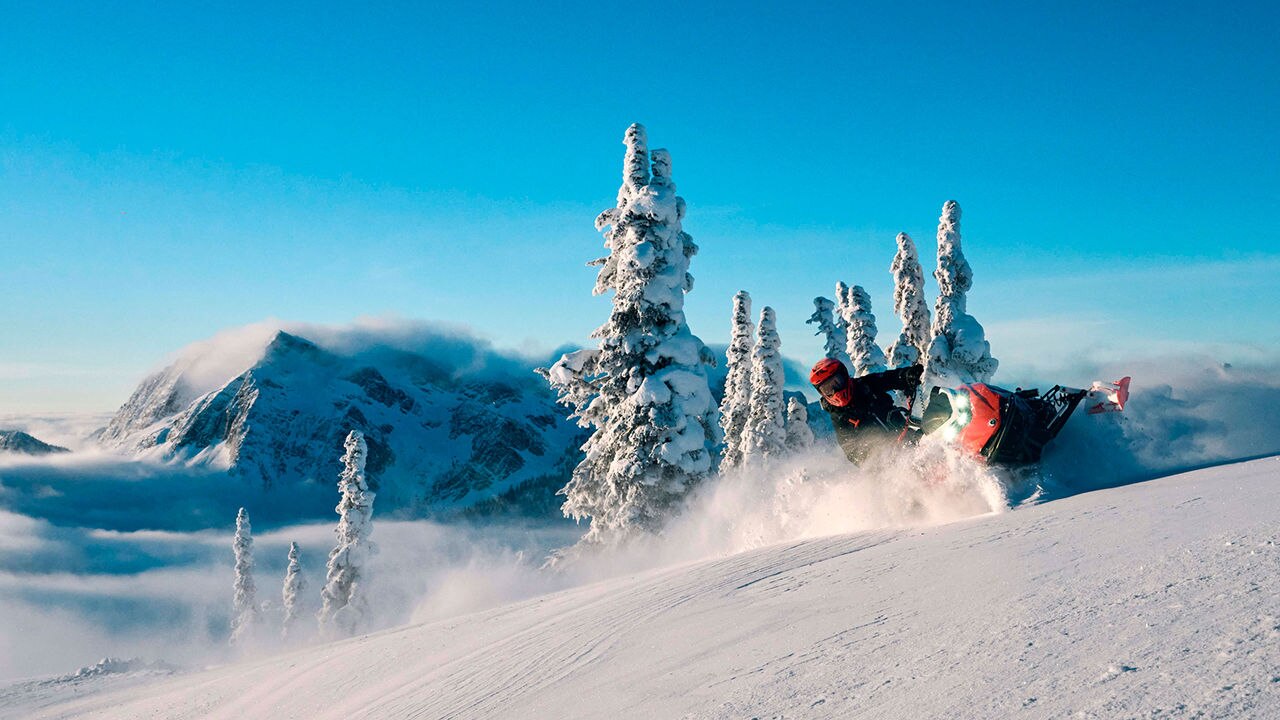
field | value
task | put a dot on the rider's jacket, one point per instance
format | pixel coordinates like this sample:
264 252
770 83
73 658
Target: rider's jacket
871 418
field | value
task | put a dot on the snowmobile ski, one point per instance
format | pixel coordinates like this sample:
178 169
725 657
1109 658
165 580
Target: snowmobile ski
1108 397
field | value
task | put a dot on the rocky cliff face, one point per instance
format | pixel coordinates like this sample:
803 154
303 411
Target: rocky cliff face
440 441
16 441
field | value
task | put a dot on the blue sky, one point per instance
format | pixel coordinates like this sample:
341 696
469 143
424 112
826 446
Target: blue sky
168 171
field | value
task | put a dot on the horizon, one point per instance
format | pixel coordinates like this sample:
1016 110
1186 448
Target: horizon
187 173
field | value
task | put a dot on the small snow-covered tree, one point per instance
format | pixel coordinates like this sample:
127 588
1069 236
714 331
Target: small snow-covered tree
910 306
765 435
831 329
295 584
644 388
244 618
345 608
736 404
860 323
959 352
799 434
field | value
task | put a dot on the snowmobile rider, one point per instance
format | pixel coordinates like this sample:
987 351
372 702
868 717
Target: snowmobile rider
862 410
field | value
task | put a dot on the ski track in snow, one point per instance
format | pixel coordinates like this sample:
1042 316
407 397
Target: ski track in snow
1157 600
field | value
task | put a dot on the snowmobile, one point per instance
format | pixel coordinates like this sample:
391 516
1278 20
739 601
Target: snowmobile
1011 427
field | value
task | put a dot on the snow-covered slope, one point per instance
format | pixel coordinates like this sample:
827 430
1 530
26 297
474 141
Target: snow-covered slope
16 441
440 439
1154 600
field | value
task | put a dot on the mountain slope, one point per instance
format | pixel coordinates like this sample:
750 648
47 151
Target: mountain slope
16 441
440 439
1155 599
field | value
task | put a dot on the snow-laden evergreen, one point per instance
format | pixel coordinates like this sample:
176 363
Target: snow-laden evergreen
860 324
295 584
842 313
831 328
735 407
244 614
959 352
644 388
345 608
910 306
765 435
799 434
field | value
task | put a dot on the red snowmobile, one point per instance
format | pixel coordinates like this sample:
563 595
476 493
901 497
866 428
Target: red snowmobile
1011 427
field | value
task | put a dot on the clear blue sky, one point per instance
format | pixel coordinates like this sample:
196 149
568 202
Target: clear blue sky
169 170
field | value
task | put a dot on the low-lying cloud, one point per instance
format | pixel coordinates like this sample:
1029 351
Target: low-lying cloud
73 595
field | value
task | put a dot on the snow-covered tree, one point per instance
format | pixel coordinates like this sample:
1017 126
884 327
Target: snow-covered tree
644 388
799 435
244 617
860 323
832 328
345 608
842 312
910 306
959 352
736 404
294 587
765 435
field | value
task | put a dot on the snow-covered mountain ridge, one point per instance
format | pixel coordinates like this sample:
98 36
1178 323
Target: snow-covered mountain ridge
1155 600
16 441
440 438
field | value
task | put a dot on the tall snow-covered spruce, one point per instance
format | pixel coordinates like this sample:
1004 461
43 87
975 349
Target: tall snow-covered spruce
644 387
736 404
860 324
833 330
910 306
292 593
765 436
799 434
959 352
842 311
244 617
345 609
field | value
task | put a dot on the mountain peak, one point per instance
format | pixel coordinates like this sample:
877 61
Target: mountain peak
437 443
20 442
288 343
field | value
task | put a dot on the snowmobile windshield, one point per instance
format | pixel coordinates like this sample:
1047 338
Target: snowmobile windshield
949 412
937 412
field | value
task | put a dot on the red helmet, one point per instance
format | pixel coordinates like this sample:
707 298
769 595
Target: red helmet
831 378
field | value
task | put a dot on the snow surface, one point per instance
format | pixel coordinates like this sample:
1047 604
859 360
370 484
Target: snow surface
1156 599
